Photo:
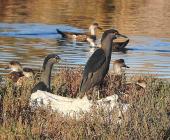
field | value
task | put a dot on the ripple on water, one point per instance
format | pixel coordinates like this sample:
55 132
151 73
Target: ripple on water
29 43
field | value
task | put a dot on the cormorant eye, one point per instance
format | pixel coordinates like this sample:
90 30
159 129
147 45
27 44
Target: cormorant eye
57 57
115 33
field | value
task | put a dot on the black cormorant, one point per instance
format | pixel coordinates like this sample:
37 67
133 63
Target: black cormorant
97 66
44 84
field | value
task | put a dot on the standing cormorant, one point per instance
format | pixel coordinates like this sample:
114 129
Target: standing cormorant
97 66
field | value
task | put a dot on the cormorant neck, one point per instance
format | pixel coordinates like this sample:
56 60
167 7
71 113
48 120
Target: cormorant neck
46 74
107 47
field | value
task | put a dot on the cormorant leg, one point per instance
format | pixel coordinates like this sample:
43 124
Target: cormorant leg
81 95
96 92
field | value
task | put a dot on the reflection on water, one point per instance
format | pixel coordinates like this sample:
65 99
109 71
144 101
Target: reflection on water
28 31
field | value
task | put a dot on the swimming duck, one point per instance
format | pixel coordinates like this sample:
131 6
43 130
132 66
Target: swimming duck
18 72
89 37
120 43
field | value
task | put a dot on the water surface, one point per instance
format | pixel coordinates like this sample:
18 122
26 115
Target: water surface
28 32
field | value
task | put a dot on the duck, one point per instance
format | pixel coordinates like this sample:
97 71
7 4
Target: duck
118 65
116 76
133 90
125 90
83 37
17 72
98 64
120 43
28 74
45 81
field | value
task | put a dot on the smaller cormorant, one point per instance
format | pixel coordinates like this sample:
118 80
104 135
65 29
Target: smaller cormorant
44 84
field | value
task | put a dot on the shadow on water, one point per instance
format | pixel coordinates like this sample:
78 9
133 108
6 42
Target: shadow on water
124 50
164 51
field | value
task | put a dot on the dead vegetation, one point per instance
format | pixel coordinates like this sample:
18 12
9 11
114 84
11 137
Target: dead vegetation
146 119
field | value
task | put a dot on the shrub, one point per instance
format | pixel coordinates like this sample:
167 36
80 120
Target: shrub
147 118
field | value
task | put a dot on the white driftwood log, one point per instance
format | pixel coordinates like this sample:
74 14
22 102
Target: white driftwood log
70 106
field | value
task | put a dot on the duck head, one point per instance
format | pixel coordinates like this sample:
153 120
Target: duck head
93 28
14 66
118 65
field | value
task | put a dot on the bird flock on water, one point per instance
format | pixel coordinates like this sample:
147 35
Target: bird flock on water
95 70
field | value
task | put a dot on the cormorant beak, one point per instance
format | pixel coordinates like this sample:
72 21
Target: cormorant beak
120 35
57 57
100 28
126 66
63 61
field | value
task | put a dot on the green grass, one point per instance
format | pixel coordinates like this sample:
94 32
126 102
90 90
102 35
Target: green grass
146 119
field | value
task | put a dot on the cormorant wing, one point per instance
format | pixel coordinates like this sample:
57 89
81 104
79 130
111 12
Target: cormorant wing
95 62
40 86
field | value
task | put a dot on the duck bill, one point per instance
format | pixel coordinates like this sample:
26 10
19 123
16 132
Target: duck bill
63 61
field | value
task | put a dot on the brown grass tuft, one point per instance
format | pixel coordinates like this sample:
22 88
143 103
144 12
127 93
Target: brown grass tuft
148 117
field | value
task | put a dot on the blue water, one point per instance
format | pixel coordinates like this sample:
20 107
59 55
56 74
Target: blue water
30 43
